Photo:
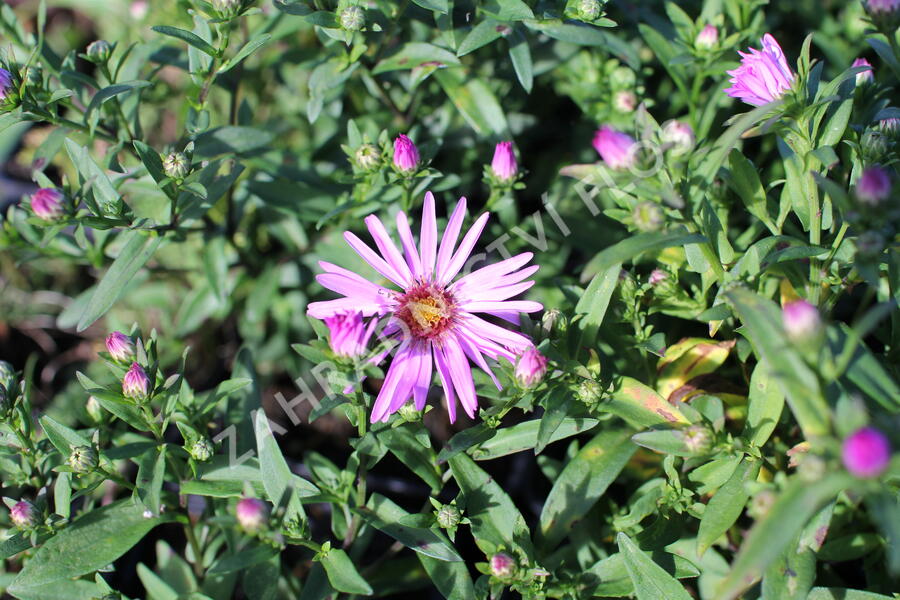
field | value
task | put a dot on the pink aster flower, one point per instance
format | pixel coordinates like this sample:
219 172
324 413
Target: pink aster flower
504 163
135 384
874 185
864 77
866 452
531 367
47 203
617 149
406 155
764 75
119 346
348 334
433 319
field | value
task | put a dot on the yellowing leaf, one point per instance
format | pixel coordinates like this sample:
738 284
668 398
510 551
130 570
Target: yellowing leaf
688 359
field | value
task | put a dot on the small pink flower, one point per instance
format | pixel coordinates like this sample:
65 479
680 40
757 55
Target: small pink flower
764 75
22 514
250 513
617 149
883 6
135 384
348 334
504 163
874 186
657 277
119 346
502 565
47 203
707 38
531 367
406 155
801 320
864 77
866 453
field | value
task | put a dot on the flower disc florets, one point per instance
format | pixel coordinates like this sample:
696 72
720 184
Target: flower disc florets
427 310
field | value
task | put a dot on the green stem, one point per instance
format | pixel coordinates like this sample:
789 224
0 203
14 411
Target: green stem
815 234
195 548
361 472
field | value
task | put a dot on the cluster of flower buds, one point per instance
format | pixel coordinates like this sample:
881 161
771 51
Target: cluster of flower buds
227 9
677 137
802 322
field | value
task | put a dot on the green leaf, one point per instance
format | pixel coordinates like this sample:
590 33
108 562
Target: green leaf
382 514
864 370
475 102
62 495
13 545
135 253
587 35
232 140
243 559
822 593
609 577
101 190
342 574
556 407
651 582
452 579
799 501
414 54
629 248
507 10
726 505
520 55
63 438
481 35
582 482
110 92
709 167
157 589
420 460
276 475
245 51
523 436
494 516
186 36
151 160
746 184
151 471
441 6
91 542
766 402
800 385
595 301
641 406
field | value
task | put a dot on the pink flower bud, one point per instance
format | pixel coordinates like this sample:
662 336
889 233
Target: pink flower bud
678 136
250 513
135 384
801 320
531 367
119 346
707 38
23 514
617 149
764 75
866 452
624 101
502 565
874 186
348 334
864 77
890 127
504 163
657 277
47 203
406 155
882 7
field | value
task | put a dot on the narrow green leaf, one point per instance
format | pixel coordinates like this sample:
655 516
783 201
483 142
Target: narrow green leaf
747 185
421 460
520 55
523 436
766 401
726 505
823 593
382 514
100 188
342 574
151 470
452 579
481 35
186 36
110 92
276 475
475 101
651 582
245 51
414 54
629 248
63 438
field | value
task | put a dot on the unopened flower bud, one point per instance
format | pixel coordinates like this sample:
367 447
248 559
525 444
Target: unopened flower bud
550 320
884 13
353 18
448 516
801 321
9 96
617 149
588 392
678 136
7 376
176 166
83 459
531 367
98 51
46 203
761 504
135 384
657 277
93 409
874 186
406 155
647 216
409 413
589 10
119 346
863 77
890 127
251 514
624 101
866 453
622 78
504 164
226 8
23 514
707 38
874 143
201 450
502 565
368 158
697 439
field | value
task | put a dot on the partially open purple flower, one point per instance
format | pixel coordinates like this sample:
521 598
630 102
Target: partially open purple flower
47 203
874 185
864 77
531 367
119 346
22 514
135 384
801 320
348 334
6 84
866 452
504 163
250 513
707 38
617 149
882 7
406 155
764 75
